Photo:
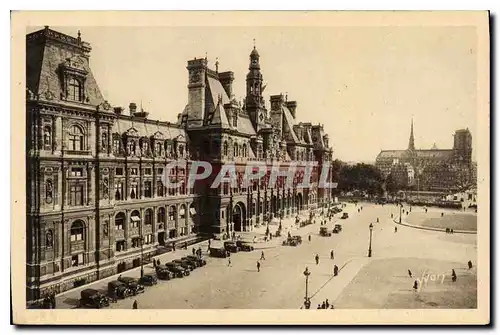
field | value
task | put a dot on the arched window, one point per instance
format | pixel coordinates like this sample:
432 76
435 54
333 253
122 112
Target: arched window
181 151
148 217
76 232
235 150
182 212
74 90
225 148
159 189
160 216
135 219
120 221
172 213
245 150
147 189
158 150
75 138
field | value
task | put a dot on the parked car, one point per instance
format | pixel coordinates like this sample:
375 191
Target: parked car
339 227
132 284
345 216
219 252
298 238
149 279
323 231
182 263
164 273
118 289
178 270
200 260
193 262
231 246
93 299
292 241
244 246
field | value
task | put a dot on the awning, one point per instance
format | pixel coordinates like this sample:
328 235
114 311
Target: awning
135 218
192 211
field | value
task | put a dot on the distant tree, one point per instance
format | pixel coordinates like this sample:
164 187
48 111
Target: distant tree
361 177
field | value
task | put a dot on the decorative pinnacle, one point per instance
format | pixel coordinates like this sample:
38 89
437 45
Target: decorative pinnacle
217 64
254 43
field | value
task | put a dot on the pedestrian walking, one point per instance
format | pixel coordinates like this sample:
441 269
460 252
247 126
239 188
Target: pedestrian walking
319 306
194 252
309 238
173 246
323 305
470 264
409 273
229 261
377 220
153 261
453 275
317 259
335 270
415 285
262 256
327 304
392 215
395 229
331 254
258 266
134 305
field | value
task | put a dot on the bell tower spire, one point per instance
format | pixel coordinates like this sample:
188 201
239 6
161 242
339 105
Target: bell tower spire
254 101
411 143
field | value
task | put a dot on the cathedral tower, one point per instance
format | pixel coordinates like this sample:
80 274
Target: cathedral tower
411 143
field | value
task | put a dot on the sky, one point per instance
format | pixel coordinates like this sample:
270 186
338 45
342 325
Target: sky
364 84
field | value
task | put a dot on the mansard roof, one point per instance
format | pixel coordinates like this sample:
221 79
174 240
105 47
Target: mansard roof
148 128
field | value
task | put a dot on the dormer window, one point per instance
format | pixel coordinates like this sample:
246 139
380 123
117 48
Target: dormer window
73 77
74 90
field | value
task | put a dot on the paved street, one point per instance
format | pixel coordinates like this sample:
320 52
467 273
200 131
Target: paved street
281 283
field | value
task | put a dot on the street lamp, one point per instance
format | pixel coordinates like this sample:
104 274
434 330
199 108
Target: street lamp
370 246
307 273
400 209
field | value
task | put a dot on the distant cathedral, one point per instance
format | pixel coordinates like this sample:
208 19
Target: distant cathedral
439 170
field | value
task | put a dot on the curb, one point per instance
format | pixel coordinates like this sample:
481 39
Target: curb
435 229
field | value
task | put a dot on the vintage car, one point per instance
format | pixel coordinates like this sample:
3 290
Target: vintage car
344 216
291 241
298 238
149 279
244 246
118 289
178 270
323 231
219 252
231 246
164 273
93 299
132 284
193 262
185 264
199 260
339 227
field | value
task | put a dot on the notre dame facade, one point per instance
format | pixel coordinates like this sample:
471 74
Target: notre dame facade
95 196
434 170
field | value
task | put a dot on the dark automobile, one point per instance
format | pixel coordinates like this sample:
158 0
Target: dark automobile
149 279
164 273
339 227
185 264
298 238
178 270
193 262
199 260
132 284
323 231
344 216
231 246
93 298
335 230
219 252
117 289
291 241
244 246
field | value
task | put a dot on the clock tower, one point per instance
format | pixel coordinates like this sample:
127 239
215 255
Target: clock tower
254 101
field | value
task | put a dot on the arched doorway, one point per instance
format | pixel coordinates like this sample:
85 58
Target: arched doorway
274 205
299 202
239 216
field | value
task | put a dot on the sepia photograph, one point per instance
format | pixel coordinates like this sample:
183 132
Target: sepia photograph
245 167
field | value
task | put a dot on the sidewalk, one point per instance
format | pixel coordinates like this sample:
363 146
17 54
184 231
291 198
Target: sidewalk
433 228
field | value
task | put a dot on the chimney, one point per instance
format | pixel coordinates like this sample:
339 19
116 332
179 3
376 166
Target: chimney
292 106
133 108
118 110
226 79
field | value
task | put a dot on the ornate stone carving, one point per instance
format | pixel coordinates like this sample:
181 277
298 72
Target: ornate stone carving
49 239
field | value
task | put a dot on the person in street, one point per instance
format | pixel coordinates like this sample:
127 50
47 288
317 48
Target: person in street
327 304
154 262
262 256
377 220
426 210
229 261
258 266
335 270
442 214
331 254
470 264
53 301
409 273
395 229
173 246
134 306
392 215
453 275
309 238
194 252
319 306
317 259
415 285
323 305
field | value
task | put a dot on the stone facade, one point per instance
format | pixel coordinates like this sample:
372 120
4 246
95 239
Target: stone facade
433 169
94 187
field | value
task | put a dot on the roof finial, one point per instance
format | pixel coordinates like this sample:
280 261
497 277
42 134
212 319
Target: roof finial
286 96
206 55
217 64
254 43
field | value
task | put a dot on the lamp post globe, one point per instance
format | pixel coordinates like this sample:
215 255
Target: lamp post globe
370 246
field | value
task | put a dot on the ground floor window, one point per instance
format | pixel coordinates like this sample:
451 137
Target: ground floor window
136 242
77 260
148 239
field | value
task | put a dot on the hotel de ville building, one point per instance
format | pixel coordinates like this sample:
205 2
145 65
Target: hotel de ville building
96 202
